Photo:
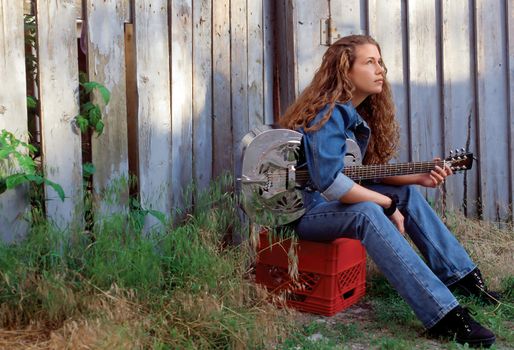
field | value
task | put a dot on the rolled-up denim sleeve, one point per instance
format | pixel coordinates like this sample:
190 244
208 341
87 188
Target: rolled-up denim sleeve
325 150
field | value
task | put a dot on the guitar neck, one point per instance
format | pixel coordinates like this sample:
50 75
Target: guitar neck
368 172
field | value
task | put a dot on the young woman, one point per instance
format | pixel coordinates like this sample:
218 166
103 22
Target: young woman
350 98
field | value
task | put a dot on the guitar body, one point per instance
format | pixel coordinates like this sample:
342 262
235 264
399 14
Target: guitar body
267 197
271 197
271 183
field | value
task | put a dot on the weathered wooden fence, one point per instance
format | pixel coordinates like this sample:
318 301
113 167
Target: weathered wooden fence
451 66
190 77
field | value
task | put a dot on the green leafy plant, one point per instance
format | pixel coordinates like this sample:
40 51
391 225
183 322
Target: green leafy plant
31 67
90 117
17 165
30 41
88 169
172 288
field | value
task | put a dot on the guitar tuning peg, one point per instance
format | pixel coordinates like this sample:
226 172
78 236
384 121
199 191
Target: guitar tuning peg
463 150
451 153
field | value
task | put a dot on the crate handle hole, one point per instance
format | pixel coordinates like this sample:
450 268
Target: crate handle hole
348 294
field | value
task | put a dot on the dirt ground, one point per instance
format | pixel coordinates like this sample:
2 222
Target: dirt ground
362 314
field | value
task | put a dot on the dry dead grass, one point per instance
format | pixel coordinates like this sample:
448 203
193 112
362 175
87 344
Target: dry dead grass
490 247
31 337
114 320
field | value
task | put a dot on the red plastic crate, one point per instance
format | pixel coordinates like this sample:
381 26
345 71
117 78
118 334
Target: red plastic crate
331 276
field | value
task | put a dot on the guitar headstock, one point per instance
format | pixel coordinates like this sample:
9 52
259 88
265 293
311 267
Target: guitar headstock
460 160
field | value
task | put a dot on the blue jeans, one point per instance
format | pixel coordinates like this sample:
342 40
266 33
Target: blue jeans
422 284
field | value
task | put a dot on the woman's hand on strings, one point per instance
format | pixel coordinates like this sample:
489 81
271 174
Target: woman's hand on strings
436 177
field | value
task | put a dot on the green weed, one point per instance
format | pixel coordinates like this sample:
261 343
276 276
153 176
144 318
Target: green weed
17 165
387 343
90 117
180 287
389 323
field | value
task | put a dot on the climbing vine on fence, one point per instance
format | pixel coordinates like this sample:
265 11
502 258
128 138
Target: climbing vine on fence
18 159
90 116
26 170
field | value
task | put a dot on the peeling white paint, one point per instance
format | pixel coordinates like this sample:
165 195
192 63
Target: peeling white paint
13 110
59 105
104 39
154 133
106 58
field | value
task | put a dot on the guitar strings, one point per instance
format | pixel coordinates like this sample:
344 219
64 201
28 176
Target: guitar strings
363 172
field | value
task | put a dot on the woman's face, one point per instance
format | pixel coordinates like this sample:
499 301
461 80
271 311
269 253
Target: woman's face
367 72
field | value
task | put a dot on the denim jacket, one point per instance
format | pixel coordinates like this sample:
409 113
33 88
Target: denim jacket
325 150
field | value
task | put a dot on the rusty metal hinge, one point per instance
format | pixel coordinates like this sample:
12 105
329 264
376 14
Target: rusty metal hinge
328 32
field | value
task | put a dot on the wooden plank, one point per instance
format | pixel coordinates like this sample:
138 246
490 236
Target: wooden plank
349 17
285 54
510 26
424 93
106 65
221 104
181 94
269 61
132 105
493 110
459 100
14 204
154 110
202 92
255 46
58 82
28 7
388 20
124 4
239 77
309 51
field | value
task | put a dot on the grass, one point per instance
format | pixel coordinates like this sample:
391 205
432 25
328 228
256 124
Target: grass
389 324
183 286
115 287
382 320
319 334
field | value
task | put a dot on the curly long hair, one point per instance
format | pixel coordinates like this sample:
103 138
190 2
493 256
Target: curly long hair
331 84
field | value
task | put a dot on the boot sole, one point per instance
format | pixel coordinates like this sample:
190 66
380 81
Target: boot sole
485 343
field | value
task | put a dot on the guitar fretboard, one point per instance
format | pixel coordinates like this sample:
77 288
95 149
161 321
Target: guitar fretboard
367 172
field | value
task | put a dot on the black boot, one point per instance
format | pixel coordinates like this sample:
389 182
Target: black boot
459 324
473 285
